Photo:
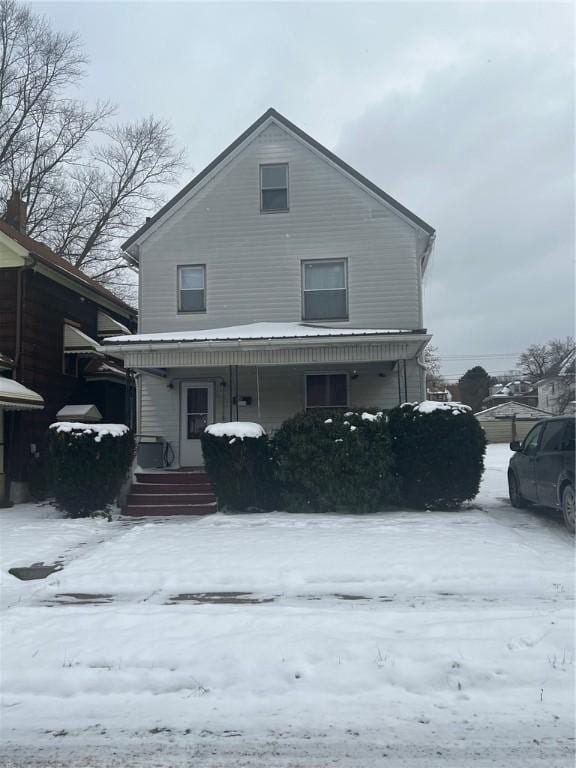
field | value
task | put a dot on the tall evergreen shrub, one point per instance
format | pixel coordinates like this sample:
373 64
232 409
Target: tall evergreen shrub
88 463
439 450
329 460
239 469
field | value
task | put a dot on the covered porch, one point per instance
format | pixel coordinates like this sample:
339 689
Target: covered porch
263 373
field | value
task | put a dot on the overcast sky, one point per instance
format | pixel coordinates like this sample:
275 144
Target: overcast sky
464 112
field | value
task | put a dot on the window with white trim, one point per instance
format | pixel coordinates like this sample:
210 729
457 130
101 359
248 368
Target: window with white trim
324 290
274 187
192 288
326 390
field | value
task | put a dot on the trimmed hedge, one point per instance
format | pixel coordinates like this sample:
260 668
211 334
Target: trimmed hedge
88 464
439 450
327 461
240 471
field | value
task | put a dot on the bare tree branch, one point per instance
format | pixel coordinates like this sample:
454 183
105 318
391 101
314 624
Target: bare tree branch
87 183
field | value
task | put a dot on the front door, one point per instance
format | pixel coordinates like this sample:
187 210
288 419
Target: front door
196 412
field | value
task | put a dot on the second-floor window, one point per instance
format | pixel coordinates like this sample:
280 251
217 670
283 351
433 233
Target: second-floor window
192 288
274 187
324 290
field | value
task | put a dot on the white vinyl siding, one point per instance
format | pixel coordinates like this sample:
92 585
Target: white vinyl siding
254 262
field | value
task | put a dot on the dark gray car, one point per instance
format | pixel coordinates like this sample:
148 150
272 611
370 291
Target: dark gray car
542 469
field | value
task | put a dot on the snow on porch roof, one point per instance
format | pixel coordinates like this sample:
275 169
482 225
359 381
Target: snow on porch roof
260 331
16 397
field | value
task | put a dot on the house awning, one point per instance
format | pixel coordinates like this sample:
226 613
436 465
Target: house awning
104 370
108 326
16 397
78 342
268 344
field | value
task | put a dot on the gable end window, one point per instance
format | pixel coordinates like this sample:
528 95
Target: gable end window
326 390
274 188
324 290
192 288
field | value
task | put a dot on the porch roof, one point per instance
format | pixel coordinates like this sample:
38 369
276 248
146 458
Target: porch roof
16 397
267 344
253 331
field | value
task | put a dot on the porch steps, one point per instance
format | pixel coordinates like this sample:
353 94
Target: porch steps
157 494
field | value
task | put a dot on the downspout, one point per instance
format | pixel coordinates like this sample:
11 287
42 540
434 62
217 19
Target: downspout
29 265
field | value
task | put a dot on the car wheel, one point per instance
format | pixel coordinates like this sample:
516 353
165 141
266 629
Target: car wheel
516 498
568 507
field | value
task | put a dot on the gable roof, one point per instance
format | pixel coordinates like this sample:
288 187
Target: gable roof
564 367
272 113
46 256
515 407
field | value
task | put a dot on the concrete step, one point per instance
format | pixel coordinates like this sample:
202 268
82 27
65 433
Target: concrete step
172 478
161 510
162 499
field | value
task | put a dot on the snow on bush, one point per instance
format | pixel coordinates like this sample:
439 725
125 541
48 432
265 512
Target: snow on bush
239 469
325 462
439 450
429 406
239 429
88 464
97 430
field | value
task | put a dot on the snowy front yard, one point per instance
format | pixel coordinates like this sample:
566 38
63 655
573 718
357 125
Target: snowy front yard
403 638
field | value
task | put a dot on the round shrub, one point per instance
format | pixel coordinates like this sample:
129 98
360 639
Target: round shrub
89 463
439 450
328 461
237 461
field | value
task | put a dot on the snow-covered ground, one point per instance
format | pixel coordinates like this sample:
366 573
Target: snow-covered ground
403 638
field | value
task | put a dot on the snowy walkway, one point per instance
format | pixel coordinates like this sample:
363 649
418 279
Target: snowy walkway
405 639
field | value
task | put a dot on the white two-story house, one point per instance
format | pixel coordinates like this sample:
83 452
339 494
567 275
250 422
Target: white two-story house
278 279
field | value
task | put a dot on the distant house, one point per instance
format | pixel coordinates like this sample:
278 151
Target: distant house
556 391
509 421
518 391
52 321
278 279
438 394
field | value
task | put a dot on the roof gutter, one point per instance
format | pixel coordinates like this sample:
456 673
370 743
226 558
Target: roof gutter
427 253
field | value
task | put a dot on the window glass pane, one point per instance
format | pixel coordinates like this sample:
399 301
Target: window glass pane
337 393
315 391
191 301
192 278
274 176
327 274
324 305
552 437
197 400
197 423
531 440
326 390
568 439
274 199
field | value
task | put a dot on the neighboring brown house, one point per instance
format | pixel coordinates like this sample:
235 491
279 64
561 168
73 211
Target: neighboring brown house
52 320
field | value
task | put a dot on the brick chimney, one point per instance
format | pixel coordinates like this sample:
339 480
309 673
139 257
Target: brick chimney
16 213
